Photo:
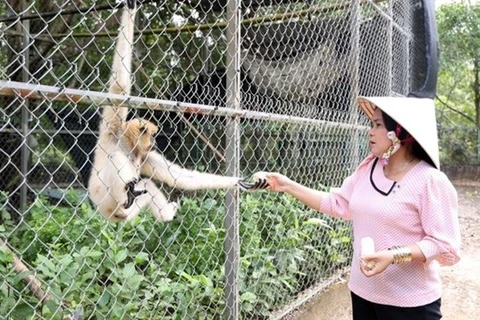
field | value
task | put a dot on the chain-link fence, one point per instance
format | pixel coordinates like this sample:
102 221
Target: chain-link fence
235 87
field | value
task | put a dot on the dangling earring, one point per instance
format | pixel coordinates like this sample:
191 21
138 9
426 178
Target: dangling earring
393 148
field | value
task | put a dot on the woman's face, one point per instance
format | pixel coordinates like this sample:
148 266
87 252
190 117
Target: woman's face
377 135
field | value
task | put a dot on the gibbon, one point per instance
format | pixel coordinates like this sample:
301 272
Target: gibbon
125 159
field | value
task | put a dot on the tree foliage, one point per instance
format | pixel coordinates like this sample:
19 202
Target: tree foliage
459 81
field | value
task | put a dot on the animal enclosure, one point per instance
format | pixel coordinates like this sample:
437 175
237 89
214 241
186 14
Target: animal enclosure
235 88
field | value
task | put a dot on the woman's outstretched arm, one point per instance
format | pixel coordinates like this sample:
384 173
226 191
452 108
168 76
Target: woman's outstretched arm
280 183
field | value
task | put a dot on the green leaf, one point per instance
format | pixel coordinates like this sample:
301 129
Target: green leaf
208 204
206 281
104 299
317 222
128 270
94 254
84 251
6 256
141 257
52 306
66 260
135 281
248 297
22 311
45 261
120 256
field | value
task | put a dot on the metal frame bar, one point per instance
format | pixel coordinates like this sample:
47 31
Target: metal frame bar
36 91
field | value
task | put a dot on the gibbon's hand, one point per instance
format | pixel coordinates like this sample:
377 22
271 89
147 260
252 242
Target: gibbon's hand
250 186
132 193
375 263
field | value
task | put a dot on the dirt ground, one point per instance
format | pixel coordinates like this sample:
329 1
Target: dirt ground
461 282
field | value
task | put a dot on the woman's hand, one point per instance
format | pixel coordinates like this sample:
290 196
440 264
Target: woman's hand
280 183
276 181
375 263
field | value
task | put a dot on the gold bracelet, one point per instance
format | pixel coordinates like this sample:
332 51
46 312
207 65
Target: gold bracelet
401 254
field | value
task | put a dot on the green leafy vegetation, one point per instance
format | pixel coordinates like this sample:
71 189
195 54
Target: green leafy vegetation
149 270
458 98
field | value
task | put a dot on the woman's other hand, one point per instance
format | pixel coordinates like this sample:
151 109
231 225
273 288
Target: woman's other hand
375 263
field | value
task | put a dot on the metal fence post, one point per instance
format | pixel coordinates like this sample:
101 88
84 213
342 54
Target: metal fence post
25 152
354 80
232 242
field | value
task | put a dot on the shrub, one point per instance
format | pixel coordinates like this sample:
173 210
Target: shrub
149 270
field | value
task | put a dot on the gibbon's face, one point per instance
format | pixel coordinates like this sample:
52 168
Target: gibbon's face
378 140
141 134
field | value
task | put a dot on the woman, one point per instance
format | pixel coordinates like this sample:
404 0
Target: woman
399 198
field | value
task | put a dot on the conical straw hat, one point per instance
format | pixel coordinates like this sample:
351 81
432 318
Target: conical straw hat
416 115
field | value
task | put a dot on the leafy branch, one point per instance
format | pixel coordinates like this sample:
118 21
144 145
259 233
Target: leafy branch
455 110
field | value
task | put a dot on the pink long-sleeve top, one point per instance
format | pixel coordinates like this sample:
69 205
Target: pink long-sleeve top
421 208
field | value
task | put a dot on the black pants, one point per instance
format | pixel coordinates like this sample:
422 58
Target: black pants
366 310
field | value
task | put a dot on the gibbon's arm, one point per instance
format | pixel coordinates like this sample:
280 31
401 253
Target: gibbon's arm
120 166
120 79
158 167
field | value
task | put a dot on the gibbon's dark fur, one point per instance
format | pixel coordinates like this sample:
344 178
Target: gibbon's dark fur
125 152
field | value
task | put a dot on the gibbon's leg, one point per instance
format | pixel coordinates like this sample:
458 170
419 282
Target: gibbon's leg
122 176
126 214
132 193
156 166
114 209
153 200
158 204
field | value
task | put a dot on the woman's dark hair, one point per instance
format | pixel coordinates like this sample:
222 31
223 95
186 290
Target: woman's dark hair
403 136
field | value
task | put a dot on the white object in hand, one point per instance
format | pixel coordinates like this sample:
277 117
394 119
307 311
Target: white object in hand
368 246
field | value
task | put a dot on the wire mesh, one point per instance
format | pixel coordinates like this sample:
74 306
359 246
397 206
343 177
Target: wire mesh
286 82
